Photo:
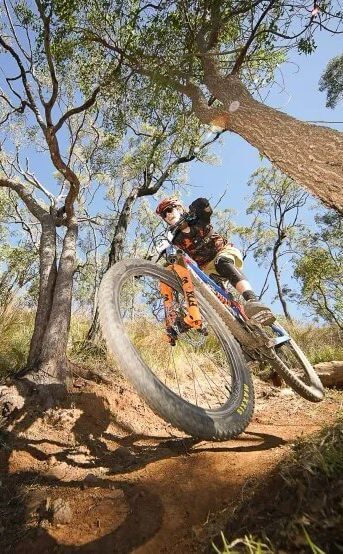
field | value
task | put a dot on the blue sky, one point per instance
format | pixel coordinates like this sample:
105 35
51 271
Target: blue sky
301 99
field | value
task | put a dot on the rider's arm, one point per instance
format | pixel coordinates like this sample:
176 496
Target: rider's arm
202 210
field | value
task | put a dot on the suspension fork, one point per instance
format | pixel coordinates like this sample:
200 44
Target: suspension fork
193 318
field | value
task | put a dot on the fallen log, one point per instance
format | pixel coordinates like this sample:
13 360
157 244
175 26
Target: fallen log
330 373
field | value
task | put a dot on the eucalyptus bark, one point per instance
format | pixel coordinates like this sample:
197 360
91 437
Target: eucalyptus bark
53 365
116 250
309 154
118 241
47 279
47 360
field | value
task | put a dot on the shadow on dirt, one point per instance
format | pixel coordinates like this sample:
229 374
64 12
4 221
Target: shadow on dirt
116 455
139 526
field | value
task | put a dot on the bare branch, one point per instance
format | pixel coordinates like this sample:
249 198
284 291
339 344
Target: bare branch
14 32
19 109
31 102
33 206
75 138
46 22
79 109
32 180
25 226
245 48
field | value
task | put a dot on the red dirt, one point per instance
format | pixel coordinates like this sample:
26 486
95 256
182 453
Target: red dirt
129 481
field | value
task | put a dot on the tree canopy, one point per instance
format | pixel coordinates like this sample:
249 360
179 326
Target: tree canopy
319 268
215 57
332 81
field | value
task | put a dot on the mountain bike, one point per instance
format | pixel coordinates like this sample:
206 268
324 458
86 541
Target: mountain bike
184 342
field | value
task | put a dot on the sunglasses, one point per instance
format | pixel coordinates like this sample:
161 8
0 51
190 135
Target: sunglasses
167 211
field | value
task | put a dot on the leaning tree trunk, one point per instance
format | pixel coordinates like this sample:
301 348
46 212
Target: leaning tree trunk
47 280
276 272
309 154
118 241
52 366
116 250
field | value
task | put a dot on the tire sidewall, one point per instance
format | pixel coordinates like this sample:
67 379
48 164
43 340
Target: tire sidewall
227 421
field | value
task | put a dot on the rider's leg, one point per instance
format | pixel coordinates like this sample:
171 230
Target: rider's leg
225 266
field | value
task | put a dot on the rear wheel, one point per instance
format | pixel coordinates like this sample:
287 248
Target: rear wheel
202 384
291 364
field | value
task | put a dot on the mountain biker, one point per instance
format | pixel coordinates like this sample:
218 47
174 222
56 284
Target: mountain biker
211 251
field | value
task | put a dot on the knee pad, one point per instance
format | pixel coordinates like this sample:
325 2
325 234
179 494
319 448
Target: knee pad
226 268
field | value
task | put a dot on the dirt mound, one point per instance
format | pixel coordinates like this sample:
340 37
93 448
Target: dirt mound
102 473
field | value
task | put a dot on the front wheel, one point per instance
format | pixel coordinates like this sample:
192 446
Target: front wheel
201 384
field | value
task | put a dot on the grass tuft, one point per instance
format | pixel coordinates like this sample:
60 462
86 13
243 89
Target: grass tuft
299 509
247 544
15 335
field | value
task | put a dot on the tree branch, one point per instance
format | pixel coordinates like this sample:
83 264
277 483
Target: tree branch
33 206
46 22
31 102
245 49
87 104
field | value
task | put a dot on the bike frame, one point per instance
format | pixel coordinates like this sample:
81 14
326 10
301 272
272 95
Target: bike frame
225 297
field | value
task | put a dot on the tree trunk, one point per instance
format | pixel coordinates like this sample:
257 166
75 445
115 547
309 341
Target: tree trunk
47 279
52 366
278 284
116 251
309 154
117 245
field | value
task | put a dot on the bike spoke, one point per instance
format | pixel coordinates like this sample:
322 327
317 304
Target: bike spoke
196 368
215 391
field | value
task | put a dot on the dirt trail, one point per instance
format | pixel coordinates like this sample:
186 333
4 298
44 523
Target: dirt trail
125 481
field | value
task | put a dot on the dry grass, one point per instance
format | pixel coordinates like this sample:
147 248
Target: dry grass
303 513
319 343
15 334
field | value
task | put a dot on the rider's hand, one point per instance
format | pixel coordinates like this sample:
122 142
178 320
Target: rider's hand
191 218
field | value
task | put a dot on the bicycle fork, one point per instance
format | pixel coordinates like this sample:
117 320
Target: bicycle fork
192 319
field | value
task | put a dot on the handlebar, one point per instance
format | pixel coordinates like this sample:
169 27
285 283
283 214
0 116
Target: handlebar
167 242
186 218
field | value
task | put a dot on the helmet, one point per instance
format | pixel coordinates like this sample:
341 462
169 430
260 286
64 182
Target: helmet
172 202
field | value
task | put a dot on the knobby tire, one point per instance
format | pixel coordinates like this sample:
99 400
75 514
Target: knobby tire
227 421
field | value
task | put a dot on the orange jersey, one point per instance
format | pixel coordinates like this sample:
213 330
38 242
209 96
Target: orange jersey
202 244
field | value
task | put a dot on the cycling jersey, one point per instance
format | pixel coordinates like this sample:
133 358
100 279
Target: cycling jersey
201 243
